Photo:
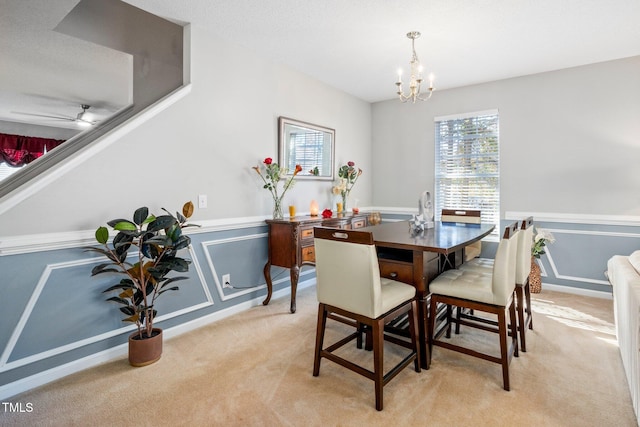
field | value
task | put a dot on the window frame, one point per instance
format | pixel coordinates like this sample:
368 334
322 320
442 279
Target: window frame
468 135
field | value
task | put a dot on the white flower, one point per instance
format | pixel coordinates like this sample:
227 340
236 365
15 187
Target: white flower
546 235
340 187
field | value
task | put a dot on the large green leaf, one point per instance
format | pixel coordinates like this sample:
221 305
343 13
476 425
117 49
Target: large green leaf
115 221
102 235
140 215
161 222
122 242
120 285
104 252
182 242
105 268
125 226
174 233
177 264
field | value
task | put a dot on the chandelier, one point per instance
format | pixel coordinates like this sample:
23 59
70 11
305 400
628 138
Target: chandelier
416 76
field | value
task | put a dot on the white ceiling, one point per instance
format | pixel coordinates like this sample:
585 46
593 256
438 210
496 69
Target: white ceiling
354 45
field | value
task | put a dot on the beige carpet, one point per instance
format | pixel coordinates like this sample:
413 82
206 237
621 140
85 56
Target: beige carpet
254 369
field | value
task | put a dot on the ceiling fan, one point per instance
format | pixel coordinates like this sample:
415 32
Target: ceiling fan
79 117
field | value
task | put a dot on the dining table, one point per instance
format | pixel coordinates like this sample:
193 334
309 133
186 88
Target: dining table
416 257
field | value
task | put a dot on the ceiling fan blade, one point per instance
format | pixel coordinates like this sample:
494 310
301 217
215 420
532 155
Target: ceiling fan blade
70 119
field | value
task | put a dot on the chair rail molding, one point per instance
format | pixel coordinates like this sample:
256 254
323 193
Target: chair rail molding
628 220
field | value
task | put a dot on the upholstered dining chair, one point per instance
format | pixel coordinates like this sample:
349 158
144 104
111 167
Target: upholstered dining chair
523 268
488 291
466 216
348 285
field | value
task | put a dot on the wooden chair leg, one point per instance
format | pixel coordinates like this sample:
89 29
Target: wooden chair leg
527 295
378 361
458 315
431 324
448 320
521 317
504 352
413 330
514 334
322 323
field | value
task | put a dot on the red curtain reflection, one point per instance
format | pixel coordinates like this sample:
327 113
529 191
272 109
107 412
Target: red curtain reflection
18 150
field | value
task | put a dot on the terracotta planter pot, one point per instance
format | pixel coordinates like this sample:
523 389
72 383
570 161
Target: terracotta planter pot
143 352
535 281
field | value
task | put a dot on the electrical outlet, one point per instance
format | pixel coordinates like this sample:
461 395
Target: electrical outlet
202 201
226 281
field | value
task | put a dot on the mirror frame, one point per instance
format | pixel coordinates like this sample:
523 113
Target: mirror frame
283 132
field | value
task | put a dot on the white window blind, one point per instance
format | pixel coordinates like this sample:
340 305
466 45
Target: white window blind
468 164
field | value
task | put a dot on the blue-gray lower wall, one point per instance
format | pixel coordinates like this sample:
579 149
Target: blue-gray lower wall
53 313
577 260
54 319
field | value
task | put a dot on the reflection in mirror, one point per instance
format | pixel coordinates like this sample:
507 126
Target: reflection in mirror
308 145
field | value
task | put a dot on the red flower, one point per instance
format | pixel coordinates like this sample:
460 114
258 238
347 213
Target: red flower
351 164
298 170
327 213
268 161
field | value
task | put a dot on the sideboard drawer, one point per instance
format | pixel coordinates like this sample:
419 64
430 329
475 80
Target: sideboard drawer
396 270
309 254
306 233
359 223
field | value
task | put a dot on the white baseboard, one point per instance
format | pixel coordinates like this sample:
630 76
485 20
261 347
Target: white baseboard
577 291
45 377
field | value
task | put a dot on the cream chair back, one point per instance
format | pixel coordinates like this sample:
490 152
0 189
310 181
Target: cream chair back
504 265
468 216
525 241
347 272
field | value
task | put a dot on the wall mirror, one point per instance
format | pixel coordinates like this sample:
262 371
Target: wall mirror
308 145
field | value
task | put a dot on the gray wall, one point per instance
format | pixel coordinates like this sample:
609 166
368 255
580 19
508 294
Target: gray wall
569 140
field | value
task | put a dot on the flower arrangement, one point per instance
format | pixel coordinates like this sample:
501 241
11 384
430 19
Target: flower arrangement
348 175
271 174
540 241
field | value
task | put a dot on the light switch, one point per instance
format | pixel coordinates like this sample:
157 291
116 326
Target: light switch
202 201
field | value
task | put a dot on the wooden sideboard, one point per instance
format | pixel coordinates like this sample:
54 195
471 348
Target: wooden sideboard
291 244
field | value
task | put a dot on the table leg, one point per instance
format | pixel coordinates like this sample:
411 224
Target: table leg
294 274
267 278
423 336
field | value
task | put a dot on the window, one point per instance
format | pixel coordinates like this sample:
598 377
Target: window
468 164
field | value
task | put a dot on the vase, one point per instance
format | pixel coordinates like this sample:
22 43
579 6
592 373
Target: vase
344 202
535 281
277 208
143 352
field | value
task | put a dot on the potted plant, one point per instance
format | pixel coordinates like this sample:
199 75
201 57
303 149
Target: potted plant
537 249
154 241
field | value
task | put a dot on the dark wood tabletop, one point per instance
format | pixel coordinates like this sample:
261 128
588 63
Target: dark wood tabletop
442 238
